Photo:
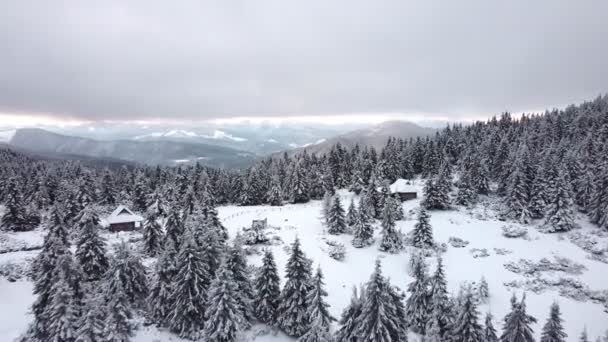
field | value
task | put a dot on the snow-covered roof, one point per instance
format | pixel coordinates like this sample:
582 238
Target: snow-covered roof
122 214
401 185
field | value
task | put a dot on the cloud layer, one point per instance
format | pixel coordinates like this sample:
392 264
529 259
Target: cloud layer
214 59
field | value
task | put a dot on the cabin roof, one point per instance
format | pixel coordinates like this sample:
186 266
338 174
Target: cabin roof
123 214
401 186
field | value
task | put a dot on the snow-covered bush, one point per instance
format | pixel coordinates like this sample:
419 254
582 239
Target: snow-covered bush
457 242
14 271
514 231
336 250
479 252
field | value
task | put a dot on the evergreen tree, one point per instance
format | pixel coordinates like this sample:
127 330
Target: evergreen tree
299 187
423 232
91 248
128 275
317 307
489 332
363 232
375 323
584 337
437 193
517 194
537 203
440 304
63 312
392 242
188 296
174 227
293 307
118 327
15 217
517 323
466 328
483 291
336 223
92 324
351 215
348 320
211 241
223 316
560 213
237 263
161 293
267 290
275 194
153 235
553 331
417 305
466 194
317 332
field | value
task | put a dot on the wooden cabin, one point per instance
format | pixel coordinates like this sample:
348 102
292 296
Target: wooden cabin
404 189
123 219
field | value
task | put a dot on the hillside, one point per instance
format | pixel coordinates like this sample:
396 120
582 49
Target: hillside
149 152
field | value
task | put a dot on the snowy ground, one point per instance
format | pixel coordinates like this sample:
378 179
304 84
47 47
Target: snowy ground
476 226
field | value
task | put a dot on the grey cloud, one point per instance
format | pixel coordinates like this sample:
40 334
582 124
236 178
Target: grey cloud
209 59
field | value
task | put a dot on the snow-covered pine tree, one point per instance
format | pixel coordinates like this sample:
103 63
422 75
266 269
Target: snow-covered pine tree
317 307
517 200
537 204
375 322
63 311
15 217
553 331
91 247
267 290
293 309
437 192
161 292
348 319
466 328
174 227
363 232
397 313
440 303
299 190
560 211
489 332
91 325
417 305
223 317
584 337
213 245
153 235
423 232
336 222
127 274
366 204
189 290
517 323
275 194
392 241
397 208
466 194
584 190
483 291
351 214
118 327
237 263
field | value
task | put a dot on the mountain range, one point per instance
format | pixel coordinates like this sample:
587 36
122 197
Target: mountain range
235 147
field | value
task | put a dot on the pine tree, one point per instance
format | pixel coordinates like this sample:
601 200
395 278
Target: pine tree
363 232
336 223
348 320
267 290
174 227
213 245
489 332
417 305
392 242
517 194
62 311
584 337
161 293
118 327
517 323
317 332
553 331
423 232
92 324
436 193
440 304
317 307
466 194
127 274
483 291
189 290
293 307
237 263
15 217
374 323
560 213
466 328
275 194
223 317
351 215
299 192
153 235
91 248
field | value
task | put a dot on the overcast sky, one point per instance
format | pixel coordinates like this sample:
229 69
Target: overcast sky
139 60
